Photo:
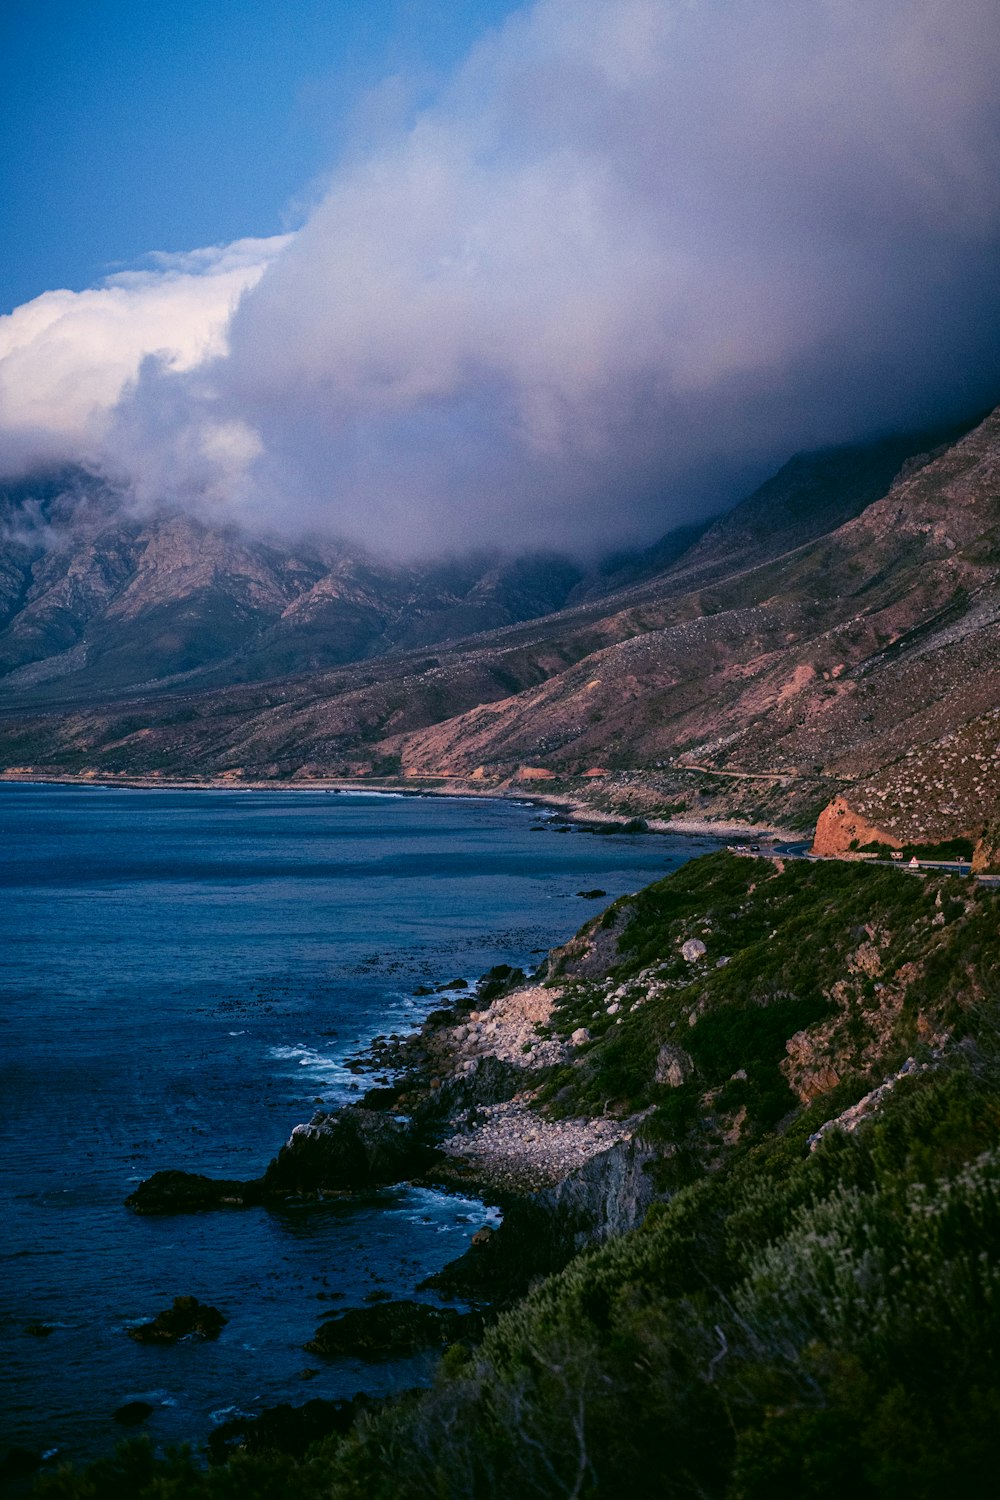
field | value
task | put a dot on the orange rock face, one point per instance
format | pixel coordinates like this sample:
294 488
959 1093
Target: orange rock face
838 826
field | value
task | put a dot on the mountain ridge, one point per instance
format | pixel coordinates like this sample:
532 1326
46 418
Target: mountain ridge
777 663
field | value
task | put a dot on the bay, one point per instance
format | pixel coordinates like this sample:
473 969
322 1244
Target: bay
183 978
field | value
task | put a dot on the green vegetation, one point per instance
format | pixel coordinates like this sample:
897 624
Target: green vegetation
959 850
801 1318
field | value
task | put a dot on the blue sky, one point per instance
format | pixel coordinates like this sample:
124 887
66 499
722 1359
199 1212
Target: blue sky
128 127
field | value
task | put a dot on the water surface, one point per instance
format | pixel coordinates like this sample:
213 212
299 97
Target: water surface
183 976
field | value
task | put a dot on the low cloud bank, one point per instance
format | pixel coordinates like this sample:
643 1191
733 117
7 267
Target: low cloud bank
634 254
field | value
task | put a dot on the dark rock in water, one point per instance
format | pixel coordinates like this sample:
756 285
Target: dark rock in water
346 1151
423 989
453 984
188 1317
39 1330
185 1192
132 1413
288 1429
392 1330
594 895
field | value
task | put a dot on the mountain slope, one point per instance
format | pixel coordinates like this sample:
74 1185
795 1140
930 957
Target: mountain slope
830 670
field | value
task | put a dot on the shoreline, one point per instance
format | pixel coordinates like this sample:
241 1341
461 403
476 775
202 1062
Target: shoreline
572 806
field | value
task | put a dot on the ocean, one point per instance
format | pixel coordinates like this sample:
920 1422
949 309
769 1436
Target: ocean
185 976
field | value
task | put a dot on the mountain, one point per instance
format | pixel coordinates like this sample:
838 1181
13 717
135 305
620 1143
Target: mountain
829 647
95 601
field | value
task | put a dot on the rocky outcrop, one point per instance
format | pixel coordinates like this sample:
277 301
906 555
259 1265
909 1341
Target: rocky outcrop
173 1192
392 1330
187 1318
986 854
607 1195
288 1429
346 1151
839 826
593 950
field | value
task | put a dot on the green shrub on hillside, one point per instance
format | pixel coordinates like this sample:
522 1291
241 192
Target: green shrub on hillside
792 1322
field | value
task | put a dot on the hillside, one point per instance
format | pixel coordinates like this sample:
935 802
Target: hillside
796 1069
774 668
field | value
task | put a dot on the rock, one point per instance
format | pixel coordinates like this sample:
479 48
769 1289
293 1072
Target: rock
692 950
673 1066
132 1413
187 1318
287 1429
187 1192
39 1330
541 1231
839 827
346 1151
391 1330
498 981
487 1080
986 854
594 895
580 1036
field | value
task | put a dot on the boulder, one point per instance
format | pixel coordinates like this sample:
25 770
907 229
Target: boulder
346 1151
188 1318
692 950
673 1066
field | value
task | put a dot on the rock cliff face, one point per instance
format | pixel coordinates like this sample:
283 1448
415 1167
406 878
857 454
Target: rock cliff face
839 829
986 855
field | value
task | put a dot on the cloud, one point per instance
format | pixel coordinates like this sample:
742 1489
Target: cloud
634 254
67 358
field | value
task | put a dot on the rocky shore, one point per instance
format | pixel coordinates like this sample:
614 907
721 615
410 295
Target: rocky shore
459 1113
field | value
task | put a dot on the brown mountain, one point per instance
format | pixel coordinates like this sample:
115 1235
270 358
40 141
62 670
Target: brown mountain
836 638
94 601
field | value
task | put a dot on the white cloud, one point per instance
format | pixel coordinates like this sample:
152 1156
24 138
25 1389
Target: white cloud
66 358
635 249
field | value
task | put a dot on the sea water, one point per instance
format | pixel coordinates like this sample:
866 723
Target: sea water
185 976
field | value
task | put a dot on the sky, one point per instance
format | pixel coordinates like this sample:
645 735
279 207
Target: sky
428 276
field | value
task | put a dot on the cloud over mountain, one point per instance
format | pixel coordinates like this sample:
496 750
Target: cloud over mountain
633 254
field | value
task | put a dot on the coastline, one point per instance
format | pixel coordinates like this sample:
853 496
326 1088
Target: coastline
477 950
574 807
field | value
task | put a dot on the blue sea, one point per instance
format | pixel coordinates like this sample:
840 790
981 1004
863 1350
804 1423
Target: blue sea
184 977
